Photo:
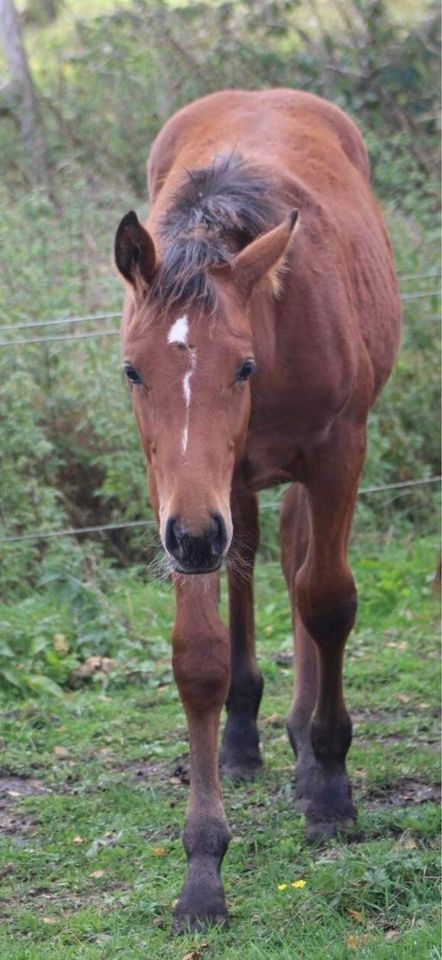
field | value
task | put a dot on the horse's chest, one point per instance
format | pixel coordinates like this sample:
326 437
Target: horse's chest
278 442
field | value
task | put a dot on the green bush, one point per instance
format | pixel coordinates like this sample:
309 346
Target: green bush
70 450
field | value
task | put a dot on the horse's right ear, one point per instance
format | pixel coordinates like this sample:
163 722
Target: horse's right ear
134 252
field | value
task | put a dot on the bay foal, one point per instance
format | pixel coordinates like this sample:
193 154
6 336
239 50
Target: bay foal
261 319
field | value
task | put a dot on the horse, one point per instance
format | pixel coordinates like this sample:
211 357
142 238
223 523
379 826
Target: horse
261 319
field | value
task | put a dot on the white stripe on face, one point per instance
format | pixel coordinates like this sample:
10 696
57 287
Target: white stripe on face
179 331
187 397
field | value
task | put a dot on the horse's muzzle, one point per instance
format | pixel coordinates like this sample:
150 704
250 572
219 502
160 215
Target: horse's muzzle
196 554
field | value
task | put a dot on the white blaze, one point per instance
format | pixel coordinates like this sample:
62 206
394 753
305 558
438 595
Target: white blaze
187 398
178 333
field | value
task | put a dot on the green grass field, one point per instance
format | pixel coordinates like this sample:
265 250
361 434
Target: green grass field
93 773
93 792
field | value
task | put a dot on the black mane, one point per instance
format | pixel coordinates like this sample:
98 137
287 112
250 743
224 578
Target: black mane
216 212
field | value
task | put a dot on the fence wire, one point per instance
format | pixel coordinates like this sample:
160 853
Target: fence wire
106 527
67 321
24 341
88 318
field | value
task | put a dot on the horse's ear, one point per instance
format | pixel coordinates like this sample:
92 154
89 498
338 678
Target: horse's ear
134 252
263 257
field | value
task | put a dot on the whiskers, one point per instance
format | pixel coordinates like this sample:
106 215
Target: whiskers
239 559
160 567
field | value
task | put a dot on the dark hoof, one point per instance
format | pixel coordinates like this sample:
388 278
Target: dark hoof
320 831
240 770
192 923
323 796
202 901
240 756
199 917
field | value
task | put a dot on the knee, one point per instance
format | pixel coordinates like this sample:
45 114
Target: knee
201 668
328 610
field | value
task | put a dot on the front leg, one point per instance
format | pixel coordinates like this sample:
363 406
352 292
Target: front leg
201 666
240 756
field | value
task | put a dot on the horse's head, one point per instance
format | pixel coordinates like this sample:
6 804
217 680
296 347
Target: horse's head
189 369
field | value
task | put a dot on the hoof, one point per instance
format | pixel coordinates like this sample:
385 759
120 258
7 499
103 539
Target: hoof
187 922
240 771
319 831
240 756
202 902
323 796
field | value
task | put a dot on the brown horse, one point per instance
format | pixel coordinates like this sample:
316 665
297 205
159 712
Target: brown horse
261 320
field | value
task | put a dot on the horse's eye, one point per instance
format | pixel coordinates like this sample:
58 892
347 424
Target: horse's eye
245 370
132 374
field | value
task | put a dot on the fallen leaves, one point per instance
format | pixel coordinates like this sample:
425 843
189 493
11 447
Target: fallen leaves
356 915
196 953
352 942
93 666
158 852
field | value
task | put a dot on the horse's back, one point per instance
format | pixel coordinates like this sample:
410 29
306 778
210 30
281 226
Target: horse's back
269 125
319 163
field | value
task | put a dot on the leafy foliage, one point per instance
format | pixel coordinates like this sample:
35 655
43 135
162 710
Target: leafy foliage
70 450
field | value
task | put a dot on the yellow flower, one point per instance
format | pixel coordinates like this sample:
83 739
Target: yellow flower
298 884
282 886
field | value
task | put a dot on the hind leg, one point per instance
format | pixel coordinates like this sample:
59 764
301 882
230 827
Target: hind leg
324 605
294 533
240 756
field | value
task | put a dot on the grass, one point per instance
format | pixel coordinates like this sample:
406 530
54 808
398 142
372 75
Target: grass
93 795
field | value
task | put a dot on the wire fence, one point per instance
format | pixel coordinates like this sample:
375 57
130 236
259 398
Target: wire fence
96 334
59 322
406 485
89 318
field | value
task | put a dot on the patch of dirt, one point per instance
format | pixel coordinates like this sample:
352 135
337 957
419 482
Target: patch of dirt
12 788
365 714
60 905
13 824
402 793
181 774
144 770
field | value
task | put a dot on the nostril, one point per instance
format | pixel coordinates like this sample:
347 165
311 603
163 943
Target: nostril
173 536
218 534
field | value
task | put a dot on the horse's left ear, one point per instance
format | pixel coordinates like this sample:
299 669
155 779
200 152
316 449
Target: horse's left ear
135 252
263 257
